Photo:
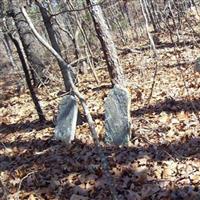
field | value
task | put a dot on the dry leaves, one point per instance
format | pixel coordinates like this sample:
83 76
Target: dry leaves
162 161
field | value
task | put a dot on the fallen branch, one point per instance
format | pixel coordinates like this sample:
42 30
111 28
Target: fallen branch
20 184
3 190
91 123
75 62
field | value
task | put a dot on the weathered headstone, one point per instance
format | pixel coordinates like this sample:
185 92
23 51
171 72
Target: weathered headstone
117 116
197 65
67 119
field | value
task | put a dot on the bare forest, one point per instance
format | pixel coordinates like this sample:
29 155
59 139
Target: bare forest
100 100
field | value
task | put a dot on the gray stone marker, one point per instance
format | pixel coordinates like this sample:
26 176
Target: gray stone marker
67 119
117 116
197 65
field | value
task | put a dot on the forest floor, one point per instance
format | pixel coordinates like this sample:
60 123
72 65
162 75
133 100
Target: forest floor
162 160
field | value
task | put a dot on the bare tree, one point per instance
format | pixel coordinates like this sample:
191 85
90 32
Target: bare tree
8 50
107 44
30 45
1 8
23 60
51 33
87 48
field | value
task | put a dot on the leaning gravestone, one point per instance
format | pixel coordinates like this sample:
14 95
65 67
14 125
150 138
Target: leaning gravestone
117 116
67 119
197 65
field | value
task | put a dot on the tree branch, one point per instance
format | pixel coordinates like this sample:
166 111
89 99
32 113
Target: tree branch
91 123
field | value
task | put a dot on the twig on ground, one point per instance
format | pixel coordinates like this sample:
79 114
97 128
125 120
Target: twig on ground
20 184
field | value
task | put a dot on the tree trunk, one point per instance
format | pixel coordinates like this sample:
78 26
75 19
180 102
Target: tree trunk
30 45
8 50
1 8
149 11
49 27
86 41
27 77
108 47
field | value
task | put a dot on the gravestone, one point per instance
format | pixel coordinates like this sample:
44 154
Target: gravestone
117 116
67 119
197 65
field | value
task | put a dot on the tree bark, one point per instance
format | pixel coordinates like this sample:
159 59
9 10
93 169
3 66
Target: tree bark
8 50
49 27
30 45
114 68
1 8
27 77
